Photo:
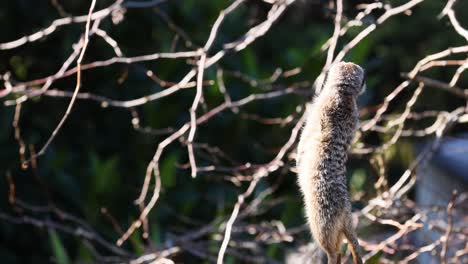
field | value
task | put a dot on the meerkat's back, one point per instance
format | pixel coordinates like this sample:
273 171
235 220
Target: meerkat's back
322 154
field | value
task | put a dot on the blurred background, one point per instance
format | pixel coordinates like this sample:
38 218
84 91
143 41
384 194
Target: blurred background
71 204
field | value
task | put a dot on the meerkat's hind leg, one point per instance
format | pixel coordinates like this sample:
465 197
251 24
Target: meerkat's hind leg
353 243
332 257
339 241
332 248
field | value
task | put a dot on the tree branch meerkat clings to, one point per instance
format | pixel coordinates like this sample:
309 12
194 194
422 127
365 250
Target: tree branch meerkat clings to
331 122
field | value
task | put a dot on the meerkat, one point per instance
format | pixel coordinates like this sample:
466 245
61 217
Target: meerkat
330 125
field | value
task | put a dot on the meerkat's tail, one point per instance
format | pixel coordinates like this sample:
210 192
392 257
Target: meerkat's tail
353 243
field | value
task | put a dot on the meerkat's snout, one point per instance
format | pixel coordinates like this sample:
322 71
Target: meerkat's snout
364 84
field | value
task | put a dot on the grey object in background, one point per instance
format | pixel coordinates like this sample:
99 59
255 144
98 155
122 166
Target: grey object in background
307 254
445 172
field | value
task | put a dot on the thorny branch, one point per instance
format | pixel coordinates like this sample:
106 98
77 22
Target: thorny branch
78 84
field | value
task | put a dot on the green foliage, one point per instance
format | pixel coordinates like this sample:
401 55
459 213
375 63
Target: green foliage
361 52
358 179
20 67
106 174
375 259
250 62
58 248
168 170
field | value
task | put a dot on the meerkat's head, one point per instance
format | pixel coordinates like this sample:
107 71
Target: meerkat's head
345 77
